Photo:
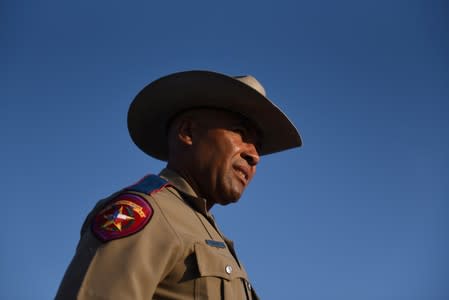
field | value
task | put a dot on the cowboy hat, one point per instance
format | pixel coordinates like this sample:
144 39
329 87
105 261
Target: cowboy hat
164 98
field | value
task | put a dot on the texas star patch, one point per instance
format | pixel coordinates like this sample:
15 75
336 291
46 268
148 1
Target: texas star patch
124 215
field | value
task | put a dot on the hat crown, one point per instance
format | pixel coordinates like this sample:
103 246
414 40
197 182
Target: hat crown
252 82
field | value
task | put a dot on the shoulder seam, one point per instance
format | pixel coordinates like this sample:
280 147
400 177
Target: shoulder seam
148 185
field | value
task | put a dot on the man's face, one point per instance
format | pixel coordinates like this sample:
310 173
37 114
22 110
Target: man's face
224 148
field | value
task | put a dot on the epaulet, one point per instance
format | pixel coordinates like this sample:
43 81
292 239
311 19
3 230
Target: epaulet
126 213
150 184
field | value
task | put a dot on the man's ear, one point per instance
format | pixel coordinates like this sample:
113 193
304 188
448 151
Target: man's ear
185 131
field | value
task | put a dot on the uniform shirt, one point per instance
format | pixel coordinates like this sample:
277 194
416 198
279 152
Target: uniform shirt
179 254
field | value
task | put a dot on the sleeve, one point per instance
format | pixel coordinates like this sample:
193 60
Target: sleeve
128 267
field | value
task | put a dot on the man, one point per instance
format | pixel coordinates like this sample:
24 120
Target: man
157 239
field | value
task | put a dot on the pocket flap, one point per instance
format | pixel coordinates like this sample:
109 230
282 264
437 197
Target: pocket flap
212 262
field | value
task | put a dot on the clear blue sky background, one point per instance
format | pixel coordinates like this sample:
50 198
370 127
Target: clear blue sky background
360 212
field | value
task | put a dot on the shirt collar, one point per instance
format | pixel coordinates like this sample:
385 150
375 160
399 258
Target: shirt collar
185 189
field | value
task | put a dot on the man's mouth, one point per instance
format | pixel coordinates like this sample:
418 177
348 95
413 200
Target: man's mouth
242 174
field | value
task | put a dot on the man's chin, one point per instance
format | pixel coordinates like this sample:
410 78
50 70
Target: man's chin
231 199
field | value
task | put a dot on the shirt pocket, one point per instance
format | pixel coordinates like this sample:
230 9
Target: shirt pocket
220 277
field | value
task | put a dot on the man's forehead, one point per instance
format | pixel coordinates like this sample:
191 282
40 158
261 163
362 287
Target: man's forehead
217 117
226 118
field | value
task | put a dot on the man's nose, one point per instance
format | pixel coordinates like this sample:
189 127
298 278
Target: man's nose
251 155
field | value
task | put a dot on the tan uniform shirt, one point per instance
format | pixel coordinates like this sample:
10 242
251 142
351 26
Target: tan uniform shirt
179 254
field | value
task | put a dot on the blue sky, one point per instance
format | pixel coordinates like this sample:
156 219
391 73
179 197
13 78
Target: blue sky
360 212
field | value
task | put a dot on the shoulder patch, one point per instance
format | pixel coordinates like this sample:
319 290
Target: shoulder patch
123 216
148 185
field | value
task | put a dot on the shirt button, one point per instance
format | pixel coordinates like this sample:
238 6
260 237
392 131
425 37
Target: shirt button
228 269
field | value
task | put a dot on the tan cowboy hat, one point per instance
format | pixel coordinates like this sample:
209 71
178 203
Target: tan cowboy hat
161 100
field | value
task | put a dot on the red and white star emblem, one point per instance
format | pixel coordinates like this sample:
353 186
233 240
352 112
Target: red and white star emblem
124 215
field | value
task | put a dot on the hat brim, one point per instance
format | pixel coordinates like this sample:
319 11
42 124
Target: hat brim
161 100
